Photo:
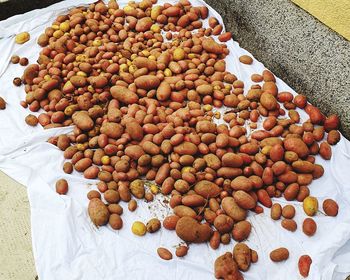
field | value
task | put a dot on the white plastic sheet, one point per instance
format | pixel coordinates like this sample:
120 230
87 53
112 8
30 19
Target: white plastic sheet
67 246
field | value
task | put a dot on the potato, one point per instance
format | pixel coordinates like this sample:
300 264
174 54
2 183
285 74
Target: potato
242 256
276 211
62 186
325 151
264 198
241 230
244 200
303 166
212 161
31 120
30 73
205 89
82 120
223 223
242 183
63 142
245 59
138 228
124 95
163 91
254 256
153 225
333 137
181 251
189 230
309 227
115 209
296 145
310 205
164 253
193 200
268 101
280 254
232 160
137 188
170 222
111 196
67 167
112 130
124 193
186 148
134 152
2 104
210 46
276 153
162 173
291 192
115 221
132 205
22 37
316 117
289 224
229 172
98 212
147 82
304 264
330 207
288 211
207 189
226 268
231 208
143 24
83 164
184 211
331 123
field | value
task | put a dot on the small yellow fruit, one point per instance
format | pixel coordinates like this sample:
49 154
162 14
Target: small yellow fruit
266 150
138 228
22 37
186 169
217 115
97 43
64 26
154 189
105 160
155 28
310 205
167 73
155 12
207 107
179 54
58 34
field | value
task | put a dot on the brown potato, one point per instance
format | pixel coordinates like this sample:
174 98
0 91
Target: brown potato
241 230
153 225
115 221
309 227
189 230
62 186
242 256
276 211
98 212
226 268
280 254
231 208
245 59
223 223
164 253
330 207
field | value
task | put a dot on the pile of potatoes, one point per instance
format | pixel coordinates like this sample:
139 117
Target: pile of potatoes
140 84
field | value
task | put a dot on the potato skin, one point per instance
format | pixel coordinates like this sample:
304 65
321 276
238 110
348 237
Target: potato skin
226 268
164 253
98 212
233 210
207 189
82 120
62 186
304 264
189 230
242 256
241 230
330 207
296 145
124 95
223 223
279 254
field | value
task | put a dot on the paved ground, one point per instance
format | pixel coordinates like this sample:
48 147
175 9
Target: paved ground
16 259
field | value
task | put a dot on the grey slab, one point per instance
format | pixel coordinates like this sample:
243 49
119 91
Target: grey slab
298 48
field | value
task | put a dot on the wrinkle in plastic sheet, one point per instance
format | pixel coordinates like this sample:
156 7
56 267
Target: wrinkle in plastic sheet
67 246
